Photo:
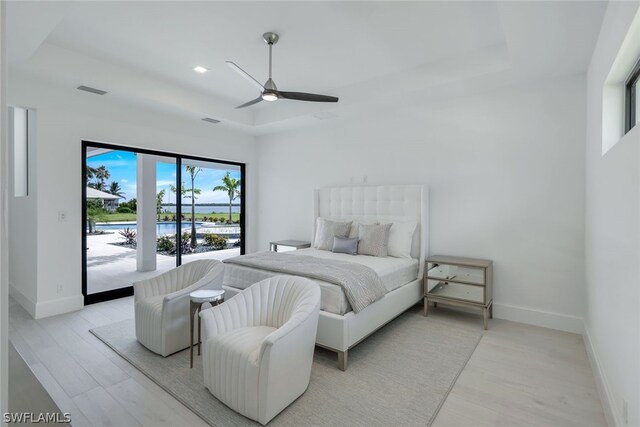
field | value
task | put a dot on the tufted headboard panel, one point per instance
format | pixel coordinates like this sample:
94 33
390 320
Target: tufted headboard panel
385 203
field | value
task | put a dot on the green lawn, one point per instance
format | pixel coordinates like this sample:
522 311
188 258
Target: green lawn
119 217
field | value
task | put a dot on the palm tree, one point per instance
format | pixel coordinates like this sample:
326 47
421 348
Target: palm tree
159 198
91 172
101 174
232 187
193 171
115 189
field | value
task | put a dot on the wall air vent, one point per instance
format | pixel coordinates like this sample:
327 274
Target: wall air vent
210 120
91 89
324 115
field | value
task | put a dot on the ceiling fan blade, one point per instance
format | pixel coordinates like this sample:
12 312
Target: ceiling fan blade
301 96
244 74
254 101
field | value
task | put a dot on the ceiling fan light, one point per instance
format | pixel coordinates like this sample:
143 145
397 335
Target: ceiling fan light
269 96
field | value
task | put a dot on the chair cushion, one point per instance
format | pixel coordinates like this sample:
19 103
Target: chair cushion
243 342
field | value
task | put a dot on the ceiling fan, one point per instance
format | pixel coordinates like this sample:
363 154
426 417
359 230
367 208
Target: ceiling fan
270 92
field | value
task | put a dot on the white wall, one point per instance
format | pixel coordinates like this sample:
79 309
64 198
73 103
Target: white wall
612 320
4 246
65 118
506 176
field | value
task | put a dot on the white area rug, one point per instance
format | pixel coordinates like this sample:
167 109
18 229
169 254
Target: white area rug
399 376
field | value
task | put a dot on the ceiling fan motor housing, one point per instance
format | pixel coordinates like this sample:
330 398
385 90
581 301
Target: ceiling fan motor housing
270 37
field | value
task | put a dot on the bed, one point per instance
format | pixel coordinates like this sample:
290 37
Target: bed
339 327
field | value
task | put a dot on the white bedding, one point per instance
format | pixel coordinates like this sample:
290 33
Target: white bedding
394 272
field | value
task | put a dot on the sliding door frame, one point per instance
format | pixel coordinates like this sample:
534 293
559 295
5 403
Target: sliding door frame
128 291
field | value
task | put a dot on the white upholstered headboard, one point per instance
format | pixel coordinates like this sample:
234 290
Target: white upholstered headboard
385 203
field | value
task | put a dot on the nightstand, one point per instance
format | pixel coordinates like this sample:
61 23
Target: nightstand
295 244
465 282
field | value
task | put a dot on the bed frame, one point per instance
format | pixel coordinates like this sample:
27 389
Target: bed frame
387 203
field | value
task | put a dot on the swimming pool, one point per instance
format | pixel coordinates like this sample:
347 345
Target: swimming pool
161 227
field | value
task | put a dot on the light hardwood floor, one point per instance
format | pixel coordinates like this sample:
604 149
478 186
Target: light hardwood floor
519 375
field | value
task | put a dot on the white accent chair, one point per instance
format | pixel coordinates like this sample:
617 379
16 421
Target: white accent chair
258 346
162 304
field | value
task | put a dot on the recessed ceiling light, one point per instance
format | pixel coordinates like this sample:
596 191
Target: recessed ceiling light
200 69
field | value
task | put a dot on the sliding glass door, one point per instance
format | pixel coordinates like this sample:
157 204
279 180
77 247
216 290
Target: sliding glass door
145 212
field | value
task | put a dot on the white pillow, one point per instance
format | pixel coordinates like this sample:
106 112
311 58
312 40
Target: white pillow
354 226
326 230
400 238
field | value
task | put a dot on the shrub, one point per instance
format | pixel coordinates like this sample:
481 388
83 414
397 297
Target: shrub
216 219
129 236
165 218
165 244
131 204
216 241
124 210
186 243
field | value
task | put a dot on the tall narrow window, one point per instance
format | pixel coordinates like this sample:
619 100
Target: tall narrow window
633 98
19 138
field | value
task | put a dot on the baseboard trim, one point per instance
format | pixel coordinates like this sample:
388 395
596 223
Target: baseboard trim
612 416
59 306
536 317
23 300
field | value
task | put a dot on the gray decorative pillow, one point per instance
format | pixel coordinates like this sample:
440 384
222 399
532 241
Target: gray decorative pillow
374 239
345 245
326 230
354 226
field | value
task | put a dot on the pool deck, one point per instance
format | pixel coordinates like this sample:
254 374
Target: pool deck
112 267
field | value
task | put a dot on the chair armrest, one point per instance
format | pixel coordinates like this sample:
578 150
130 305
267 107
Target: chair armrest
289 327
286 356
186 291
148 287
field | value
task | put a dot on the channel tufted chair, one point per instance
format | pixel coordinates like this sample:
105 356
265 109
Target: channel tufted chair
258 346
162 304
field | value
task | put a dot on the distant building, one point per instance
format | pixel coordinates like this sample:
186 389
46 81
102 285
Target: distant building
110 201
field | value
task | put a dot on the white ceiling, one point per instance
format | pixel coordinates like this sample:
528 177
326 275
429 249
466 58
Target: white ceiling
370 54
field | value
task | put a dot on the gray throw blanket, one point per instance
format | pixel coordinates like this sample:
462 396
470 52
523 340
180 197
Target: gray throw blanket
361 284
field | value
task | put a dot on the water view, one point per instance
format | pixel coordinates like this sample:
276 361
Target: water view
161 227
218 209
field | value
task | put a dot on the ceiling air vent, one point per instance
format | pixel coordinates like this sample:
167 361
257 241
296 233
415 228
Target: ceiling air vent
210 120
92 90
325 115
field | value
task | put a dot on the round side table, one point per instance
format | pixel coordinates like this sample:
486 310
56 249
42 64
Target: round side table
212 296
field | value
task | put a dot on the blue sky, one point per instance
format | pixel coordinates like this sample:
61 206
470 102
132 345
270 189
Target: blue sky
122 166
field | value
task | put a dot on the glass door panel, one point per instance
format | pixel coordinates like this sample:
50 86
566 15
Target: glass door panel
147 212
110 209
211 208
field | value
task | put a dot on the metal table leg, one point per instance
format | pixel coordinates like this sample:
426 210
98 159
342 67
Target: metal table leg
193 309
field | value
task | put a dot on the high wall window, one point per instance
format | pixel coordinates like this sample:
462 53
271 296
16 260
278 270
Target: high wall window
19 142
632 96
